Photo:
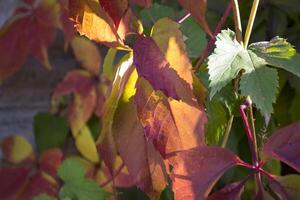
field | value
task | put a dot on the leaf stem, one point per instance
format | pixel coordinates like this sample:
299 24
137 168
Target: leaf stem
212 40
227 131
237 21
251 22
252 144
183 18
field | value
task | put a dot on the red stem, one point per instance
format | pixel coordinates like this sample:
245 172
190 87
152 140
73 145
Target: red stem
212 40
249 134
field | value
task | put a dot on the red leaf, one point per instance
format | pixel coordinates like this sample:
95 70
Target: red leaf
197 8
144 163
50 161
152 65
32 33
284 145
278 188
12 180
232 191
39 183
197 170
115 9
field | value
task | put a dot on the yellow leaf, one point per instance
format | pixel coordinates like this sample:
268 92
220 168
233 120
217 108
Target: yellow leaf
92 21
168 37
17 149
86 145
87 54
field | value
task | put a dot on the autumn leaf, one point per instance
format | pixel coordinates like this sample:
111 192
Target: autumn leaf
144 163
170 124
26 182
106 143
283 145
152 65
87 53
168 37
40 21
115 8
197 170
197 8
16 149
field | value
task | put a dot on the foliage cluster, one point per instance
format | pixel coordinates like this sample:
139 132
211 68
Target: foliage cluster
161 115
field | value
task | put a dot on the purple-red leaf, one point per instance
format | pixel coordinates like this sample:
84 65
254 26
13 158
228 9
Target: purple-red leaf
197 170
232 191
12 180
153 66
115 9
284 145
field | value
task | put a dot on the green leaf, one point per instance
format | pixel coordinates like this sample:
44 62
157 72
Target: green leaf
42 197
260 83
156 12
291 184
217 120
76 185
195 37
83 189
294 110
70 170
278 53
226 61
49 131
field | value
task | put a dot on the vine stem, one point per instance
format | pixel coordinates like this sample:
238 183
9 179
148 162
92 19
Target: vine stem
183 18
237 21
227 131
251 22
212 40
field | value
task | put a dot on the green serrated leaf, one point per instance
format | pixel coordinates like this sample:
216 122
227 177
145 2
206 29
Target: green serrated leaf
76 185
278 53
260 83
195 37
49 131
228 58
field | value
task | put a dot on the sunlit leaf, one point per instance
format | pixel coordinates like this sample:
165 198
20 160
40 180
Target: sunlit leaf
278 53
85 144
87 54
152 65
105 142
170 124
168 37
